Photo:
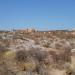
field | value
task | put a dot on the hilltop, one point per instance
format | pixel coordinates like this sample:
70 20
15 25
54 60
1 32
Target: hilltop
37 38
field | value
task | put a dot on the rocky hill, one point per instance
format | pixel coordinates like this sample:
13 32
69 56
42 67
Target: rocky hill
32 52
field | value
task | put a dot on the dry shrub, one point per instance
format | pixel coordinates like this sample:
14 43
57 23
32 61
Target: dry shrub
25 61
38 54
29 65
60 59
22 55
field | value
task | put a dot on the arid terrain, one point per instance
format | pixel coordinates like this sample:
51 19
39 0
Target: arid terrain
32 52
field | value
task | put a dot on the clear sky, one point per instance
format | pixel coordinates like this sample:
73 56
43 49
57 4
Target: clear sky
39 14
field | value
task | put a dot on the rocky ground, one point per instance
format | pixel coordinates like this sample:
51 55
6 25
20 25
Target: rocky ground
31 52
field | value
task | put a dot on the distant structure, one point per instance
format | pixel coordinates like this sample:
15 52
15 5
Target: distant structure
25 30
30 30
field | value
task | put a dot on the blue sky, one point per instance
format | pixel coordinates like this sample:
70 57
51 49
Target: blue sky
38 14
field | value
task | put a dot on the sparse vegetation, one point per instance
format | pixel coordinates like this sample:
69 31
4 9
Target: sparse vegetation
36 53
